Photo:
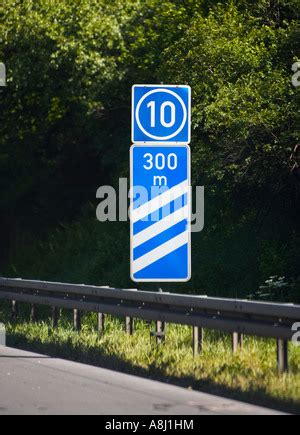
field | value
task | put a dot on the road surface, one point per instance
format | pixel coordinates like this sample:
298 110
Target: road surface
39 385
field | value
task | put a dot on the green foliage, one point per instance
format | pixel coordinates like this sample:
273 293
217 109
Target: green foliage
245 119
82 252
62 59
65 130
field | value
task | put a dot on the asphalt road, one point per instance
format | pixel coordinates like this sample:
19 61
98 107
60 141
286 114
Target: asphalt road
38 385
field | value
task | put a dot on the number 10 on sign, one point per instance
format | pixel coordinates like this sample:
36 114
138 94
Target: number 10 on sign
161 114
160 213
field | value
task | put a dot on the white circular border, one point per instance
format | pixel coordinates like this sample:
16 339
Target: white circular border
137 114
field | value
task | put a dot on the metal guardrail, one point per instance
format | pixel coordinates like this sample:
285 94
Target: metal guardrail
238 317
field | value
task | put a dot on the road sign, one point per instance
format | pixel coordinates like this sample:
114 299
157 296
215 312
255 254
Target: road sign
160 213
161 114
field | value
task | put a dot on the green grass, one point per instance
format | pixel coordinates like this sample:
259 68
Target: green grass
251 375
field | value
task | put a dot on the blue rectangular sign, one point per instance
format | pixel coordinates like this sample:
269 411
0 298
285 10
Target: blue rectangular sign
161 114
160 213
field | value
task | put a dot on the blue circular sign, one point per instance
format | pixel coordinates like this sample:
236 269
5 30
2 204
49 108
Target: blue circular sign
161 114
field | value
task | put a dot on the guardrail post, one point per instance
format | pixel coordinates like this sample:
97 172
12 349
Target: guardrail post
55 317
77 320
237 341
160 332
282 356
129 325
33 313
101 323
14 311
198 337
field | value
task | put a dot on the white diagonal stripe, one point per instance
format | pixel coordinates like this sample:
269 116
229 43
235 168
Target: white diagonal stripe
160 252
161 226
160 201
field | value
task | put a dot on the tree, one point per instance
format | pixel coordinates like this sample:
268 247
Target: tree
246 121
